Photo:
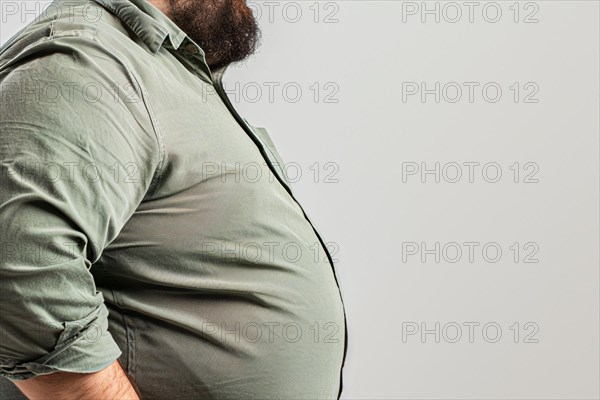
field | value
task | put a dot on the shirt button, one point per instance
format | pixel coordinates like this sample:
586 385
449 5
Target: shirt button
191 48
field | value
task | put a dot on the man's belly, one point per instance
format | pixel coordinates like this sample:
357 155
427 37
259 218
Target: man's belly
271 336
239 350
223 290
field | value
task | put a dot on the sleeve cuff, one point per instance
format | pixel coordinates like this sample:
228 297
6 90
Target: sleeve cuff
84 346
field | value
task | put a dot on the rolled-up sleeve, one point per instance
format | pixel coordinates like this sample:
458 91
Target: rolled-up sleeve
78 153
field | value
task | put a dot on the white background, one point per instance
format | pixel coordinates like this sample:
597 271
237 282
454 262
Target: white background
364 55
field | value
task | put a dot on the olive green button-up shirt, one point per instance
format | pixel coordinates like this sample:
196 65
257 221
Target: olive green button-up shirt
143 219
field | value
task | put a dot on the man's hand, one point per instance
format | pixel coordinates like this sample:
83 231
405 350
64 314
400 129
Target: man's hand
111 383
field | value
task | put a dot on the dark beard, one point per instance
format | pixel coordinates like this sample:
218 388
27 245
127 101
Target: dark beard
225 29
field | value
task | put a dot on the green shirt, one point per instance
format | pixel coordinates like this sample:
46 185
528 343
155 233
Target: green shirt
143 219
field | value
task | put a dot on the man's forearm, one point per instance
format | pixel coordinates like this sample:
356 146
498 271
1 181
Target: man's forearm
109 383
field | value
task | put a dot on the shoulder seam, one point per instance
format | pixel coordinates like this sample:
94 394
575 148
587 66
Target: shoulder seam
157 132
155 127
153 120
151 114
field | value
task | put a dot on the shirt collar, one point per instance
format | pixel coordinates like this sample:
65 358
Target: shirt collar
148 22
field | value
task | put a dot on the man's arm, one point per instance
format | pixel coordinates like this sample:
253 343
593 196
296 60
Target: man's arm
110 383
73 169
